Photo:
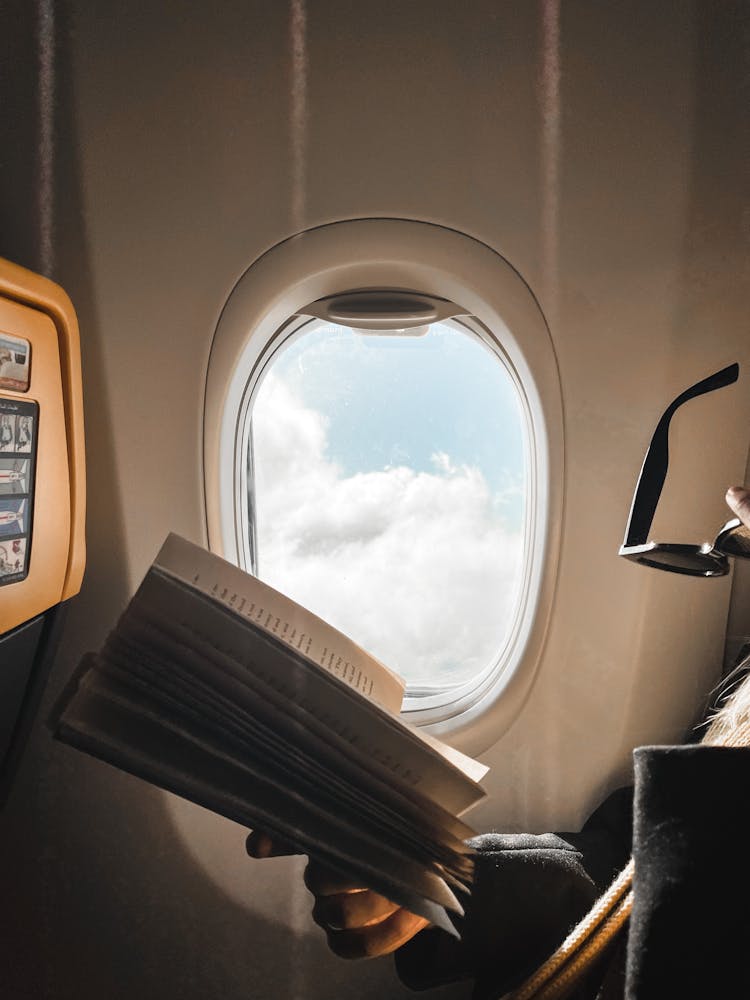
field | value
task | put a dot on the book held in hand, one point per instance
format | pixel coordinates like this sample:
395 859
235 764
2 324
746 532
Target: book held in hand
217 687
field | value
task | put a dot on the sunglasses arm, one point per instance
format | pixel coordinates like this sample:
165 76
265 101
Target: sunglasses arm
656 463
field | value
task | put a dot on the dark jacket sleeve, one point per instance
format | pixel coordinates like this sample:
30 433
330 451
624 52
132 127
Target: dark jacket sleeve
528 892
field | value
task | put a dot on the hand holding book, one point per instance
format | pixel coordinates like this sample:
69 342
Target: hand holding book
218 688
358 922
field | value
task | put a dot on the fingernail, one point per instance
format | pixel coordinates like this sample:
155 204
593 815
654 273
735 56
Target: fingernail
258 845
737 495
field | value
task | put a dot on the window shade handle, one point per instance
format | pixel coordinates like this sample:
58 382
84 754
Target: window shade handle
381 311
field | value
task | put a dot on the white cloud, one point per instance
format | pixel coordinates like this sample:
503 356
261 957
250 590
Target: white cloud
417 567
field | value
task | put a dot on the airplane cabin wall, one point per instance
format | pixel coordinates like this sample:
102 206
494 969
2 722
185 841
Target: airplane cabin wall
601 149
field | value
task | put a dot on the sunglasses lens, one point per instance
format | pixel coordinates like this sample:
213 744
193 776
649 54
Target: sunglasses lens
734 539
690 560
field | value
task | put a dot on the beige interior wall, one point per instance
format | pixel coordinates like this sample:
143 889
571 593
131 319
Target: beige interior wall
603 154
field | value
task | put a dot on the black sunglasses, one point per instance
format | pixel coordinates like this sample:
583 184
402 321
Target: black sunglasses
693 560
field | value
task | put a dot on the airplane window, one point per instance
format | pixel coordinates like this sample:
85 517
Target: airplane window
388 485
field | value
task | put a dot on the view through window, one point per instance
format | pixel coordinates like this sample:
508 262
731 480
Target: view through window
388 492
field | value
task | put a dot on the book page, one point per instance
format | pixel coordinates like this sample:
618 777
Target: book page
472 768
252 600
162 667
256 744
396 751
159 752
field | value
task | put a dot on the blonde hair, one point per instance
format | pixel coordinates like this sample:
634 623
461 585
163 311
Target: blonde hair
730 725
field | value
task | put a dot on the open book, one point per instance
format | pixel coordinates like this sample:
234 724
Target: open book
222 690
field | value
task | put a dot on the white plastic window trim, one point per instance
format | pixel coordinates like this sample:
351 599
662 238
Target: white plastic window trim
400 254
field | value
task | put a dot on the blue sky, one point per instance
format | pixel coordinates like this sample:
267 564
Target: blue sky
392 401
389 476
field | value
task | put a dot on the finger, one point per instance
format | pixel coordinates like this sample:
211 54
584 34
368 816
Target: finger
260 845
322 881
352 910
378 939
738 499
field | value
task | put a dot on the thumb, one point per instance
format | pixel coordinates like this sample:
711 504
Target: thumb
738 499
259 844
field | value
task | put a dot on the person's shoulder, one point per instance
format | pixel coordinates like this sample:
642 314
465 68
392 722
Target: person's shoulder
488 843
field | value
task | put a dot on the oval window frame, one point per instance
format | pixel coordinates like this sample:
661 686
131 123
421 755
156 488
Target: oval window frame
432 260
